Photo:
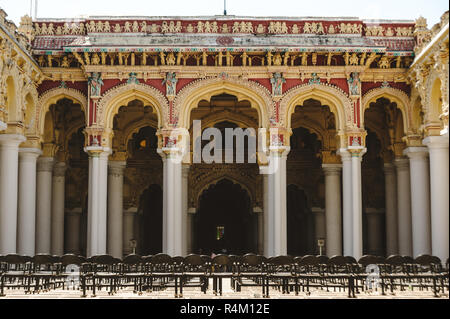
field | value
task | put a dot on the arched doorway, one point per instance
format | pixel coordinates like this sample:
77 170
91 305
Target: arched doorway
224 222
300 223
151 218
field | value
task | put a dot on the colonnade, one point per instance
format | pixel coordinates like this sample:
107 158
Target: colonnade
32 203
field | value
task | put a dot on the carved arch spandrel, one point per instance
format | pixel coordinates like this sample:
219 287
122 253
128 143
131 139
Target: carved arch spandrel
394 95
203 89
53 96
338 101
122 94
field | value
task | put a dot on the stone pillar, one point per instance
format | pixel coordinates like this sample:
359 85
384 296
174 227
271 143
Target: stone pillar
97 201
390 186
319 226
26 210
172 203
72 231
58 187
9 174
44 205
439 189
115 208
420 200
404 207
347 213
128 229
357 154
185 220
333 209
276 222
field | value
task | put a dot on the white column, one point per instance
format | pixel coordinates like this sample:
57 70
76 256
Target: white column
319 226
357 154
44 205
128 229
172 204
185 220
9 173
276 203
390 187
333 209
115 208
404 207
347 207
439 189
420 200
97 200
72 233
3 126
58 187
374 229
26 210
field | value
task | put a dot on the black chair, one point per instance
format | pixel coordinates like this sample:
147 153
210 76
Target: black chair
195 272
219 270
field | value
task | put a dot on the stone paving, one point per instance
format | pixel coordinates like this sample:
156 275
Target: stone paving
247 293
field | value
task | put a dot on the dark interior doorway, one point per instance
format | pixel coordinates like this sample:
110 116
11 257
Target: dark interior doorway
224 222
300 223
151 207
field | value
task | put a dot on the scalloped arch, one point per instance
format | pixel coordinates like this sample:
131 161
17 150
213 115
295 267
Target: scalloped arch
53 96
394 95
122 94
214 179
339 103
189 97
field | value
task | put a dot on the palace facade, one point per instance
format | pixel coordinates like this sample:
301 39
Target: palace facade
96 136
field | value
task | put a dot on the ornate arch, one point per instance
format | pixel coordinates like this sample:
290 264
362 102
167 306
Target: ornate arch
122 94
338 101
394 95
134 127
214 179
203 89
241 120
431 113
53 96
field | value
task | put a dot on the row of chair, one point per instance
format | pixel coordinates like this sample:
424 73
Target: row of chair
158 272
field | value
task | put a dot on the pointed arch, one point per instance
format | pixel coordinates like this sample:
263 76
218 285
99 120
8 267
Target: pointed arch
394 95
122 94
338 101
52 97
189 97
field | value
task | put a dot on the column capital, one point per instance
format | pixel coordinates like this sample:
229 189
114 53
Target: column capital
344 154
116 168
402 163
389 169
45 164
59 169
29 153
97 151
416 152
332 169
11 140
436 142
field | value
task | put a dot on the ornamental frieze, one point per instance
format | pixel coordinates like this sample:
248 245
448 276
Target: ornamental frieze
83 27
